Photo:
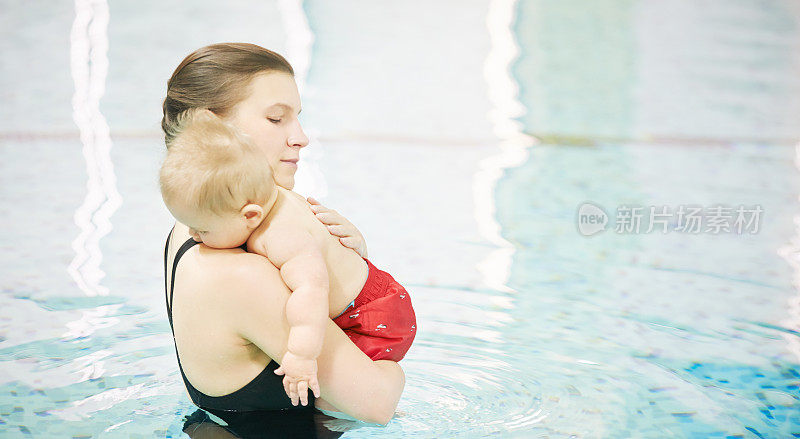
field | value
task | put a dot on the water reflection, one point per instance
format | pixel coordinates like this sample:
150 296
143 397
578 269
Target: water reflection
299 42
791 253
89 68
502 89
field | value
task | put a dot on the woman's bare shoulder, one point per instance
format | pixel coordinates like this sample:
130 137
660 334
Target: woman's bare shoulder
234 267
290 193
244 289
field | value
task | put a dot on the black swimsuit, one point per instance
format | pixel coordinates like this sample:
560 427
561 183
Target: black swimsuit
264 392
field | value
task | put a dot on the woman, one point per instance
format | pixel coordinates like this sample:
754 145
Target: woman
227 307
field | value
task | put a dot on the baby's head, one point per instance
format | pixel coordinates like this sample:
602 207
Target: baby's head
215 181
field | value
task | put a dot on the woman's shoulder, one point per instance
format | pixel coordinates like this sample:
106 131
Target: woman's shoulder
246 293
292 196
238 285
236 266
232 269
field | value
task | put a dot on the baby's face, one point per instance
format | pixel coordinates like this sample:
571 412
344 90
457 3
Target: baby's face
228 230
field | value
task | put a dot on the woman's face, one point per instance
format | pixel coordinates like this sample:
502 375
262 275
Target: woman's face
269 116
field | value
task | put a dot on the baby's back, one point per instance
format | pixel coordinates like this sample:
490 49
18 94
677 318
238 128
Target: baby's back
347 271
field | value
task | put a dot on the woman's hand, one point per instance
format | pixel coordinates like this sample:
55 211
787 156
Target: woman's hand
339 226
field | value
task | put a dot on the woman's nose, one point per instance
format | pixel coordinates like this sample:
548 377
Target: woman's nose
297 137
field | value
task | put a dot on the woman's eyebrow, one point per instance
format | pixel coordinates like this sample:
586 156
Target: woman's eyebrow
284 107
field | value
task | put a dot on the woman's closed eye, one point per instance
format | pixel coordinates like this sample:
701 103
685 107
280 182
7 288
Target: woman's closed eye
274 120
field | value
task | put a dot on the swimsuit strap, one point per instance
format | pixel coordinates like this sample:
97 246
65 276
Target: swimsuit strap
184 248
166 291
166 252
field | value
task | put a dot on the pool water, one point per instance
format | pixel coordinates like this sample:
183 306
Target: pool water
465 179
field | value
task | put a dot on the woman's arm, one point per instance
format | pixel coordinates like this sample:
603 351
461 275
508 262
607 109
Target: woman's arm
351 381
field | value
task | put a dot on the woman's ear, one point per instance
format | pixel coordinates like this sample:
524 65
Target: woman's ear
253 214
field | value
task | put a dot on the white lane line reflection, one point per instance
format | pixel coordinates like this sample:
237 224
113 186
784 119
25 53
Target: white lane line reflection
89 67
791 253
309 180
514 143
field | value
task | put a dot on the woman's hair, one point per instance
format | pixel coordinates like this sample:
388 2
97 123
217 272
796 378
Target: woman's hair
212 168
216 78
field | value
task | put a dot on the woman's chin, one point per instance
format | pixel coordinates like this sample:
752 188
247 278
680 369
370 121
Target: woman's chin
285 181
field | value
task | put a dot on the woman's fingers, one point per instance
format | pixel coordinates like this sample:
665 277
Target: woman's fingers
356 243
318 208
339 226
329 217
340 230
350 242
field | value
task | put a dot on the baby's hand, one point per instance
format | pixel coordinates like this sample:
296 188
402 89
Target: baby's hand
300 375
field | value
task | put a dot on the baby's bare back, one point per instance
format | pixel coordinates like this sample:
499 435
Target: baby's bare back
347 271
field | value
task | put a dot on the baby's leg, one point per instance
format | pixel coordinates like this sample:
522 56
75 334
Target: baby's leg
382 322
384 328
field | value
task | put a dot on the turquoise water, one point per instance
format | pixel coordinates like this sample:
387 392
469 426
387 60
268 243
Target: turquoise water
656 335
637 103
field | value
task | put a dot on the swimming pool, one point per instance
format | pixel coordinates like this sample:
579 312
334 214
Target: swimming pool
527 327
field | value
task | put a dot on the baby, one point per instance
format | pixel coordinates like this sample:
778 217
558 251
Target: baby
218 183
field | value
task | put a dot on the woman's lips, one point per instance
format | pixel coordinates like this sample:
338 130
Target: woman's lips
292 162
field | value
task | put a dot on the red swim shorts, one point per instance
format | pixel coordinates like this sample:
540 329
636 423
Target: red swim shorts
381 321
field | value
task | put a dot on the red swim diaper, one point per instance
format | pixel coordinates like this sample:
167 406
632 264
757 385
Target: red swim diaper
381 322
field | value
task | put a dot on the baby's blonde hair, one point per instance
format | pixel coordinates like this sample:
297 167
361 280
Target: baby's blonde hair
212 167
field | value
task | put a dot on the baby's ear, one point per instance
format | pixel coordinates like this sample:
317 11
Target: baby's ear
253 214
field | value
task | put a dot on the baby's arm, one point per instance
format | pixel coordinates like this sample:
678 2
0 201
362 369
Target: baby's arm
294 251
